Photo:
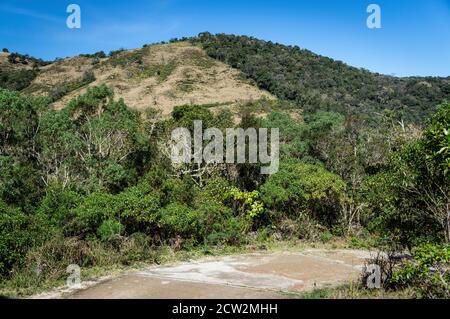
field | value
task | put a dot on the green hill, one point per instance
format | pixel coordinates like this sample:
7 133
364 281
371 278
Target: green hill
321 83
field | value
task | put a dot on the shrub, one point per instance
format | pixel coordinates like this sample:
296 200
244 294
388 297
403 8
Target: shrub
57 203
428 273
179 220
218 225
18 233
410 200
180 190
17 80
60 91
109 229
246 203
137 247
138 210
301 187
87 217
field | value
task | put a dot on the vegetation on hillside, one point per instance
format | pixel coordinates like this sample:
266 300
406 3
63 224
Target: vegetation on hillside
19 78
320 83
93 184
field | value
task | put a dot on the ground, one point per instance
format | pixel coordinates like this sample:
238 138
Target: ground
249 276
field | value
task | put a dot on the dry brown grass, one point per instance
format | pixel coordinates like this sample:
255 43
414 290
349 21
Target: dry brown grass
165 76
4 63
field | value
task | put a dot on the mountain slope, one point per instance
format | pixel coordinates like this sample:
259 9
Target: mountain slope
17 71
227 70
158 76
320 83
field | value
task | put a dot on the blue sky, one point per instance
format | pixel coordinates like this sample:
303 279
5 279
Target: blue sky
414 39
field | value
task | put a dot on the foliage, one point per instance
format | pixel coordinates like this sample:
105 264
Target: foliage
95 143
437 141
410 199
17 80
246 202
56 204
20 182
63 89
293 139
321 83
109 229
428 273
17 58
18 233
92 183
299 187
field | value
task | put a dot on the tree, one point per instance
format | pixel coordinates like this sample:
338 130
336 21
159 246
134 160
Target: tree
411 199
20 182
95 143
299 187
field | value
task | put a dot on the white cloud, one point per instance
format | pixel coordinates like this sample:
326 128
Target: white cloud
29 13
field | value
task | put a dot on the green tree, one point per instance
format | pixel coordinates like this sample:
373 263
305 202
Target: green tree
411 199
299 187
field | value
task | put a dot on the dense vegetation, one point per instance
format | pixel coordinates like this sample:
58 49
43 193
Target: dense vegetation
19 78
93 184
320 83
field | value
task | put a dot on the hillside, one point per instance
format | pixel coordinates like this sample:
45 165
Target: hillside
157 76
93 181
229 69
17 71
320 83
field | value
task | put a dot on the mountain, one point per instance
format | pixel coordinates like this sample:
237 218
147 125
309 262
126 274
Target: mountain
158 76
320 83
226 70
17 70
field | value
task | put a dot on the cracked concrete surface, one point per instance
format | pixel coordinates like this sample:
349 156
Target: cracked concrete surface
237 277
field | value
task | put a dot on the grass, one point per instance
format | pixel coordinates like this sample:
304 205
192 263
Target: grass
357 291
186 85
265 105
133 61
61 90
125 58
161 71
27 283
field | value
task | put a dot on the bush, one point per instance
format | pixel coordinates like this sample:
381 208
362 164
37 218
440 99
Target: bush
180 190
57 203
245 203
17 80
180 220
61 90
109 229
428 273
138 210
137 247
299 187
87 217
410 199
18 233
218 225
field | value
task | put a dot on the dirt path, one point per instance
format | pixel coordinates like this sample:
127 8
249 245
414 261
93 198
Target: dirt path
273 275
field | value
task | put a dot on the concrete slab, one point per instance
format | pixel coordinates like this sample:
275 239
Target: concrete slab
237 277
